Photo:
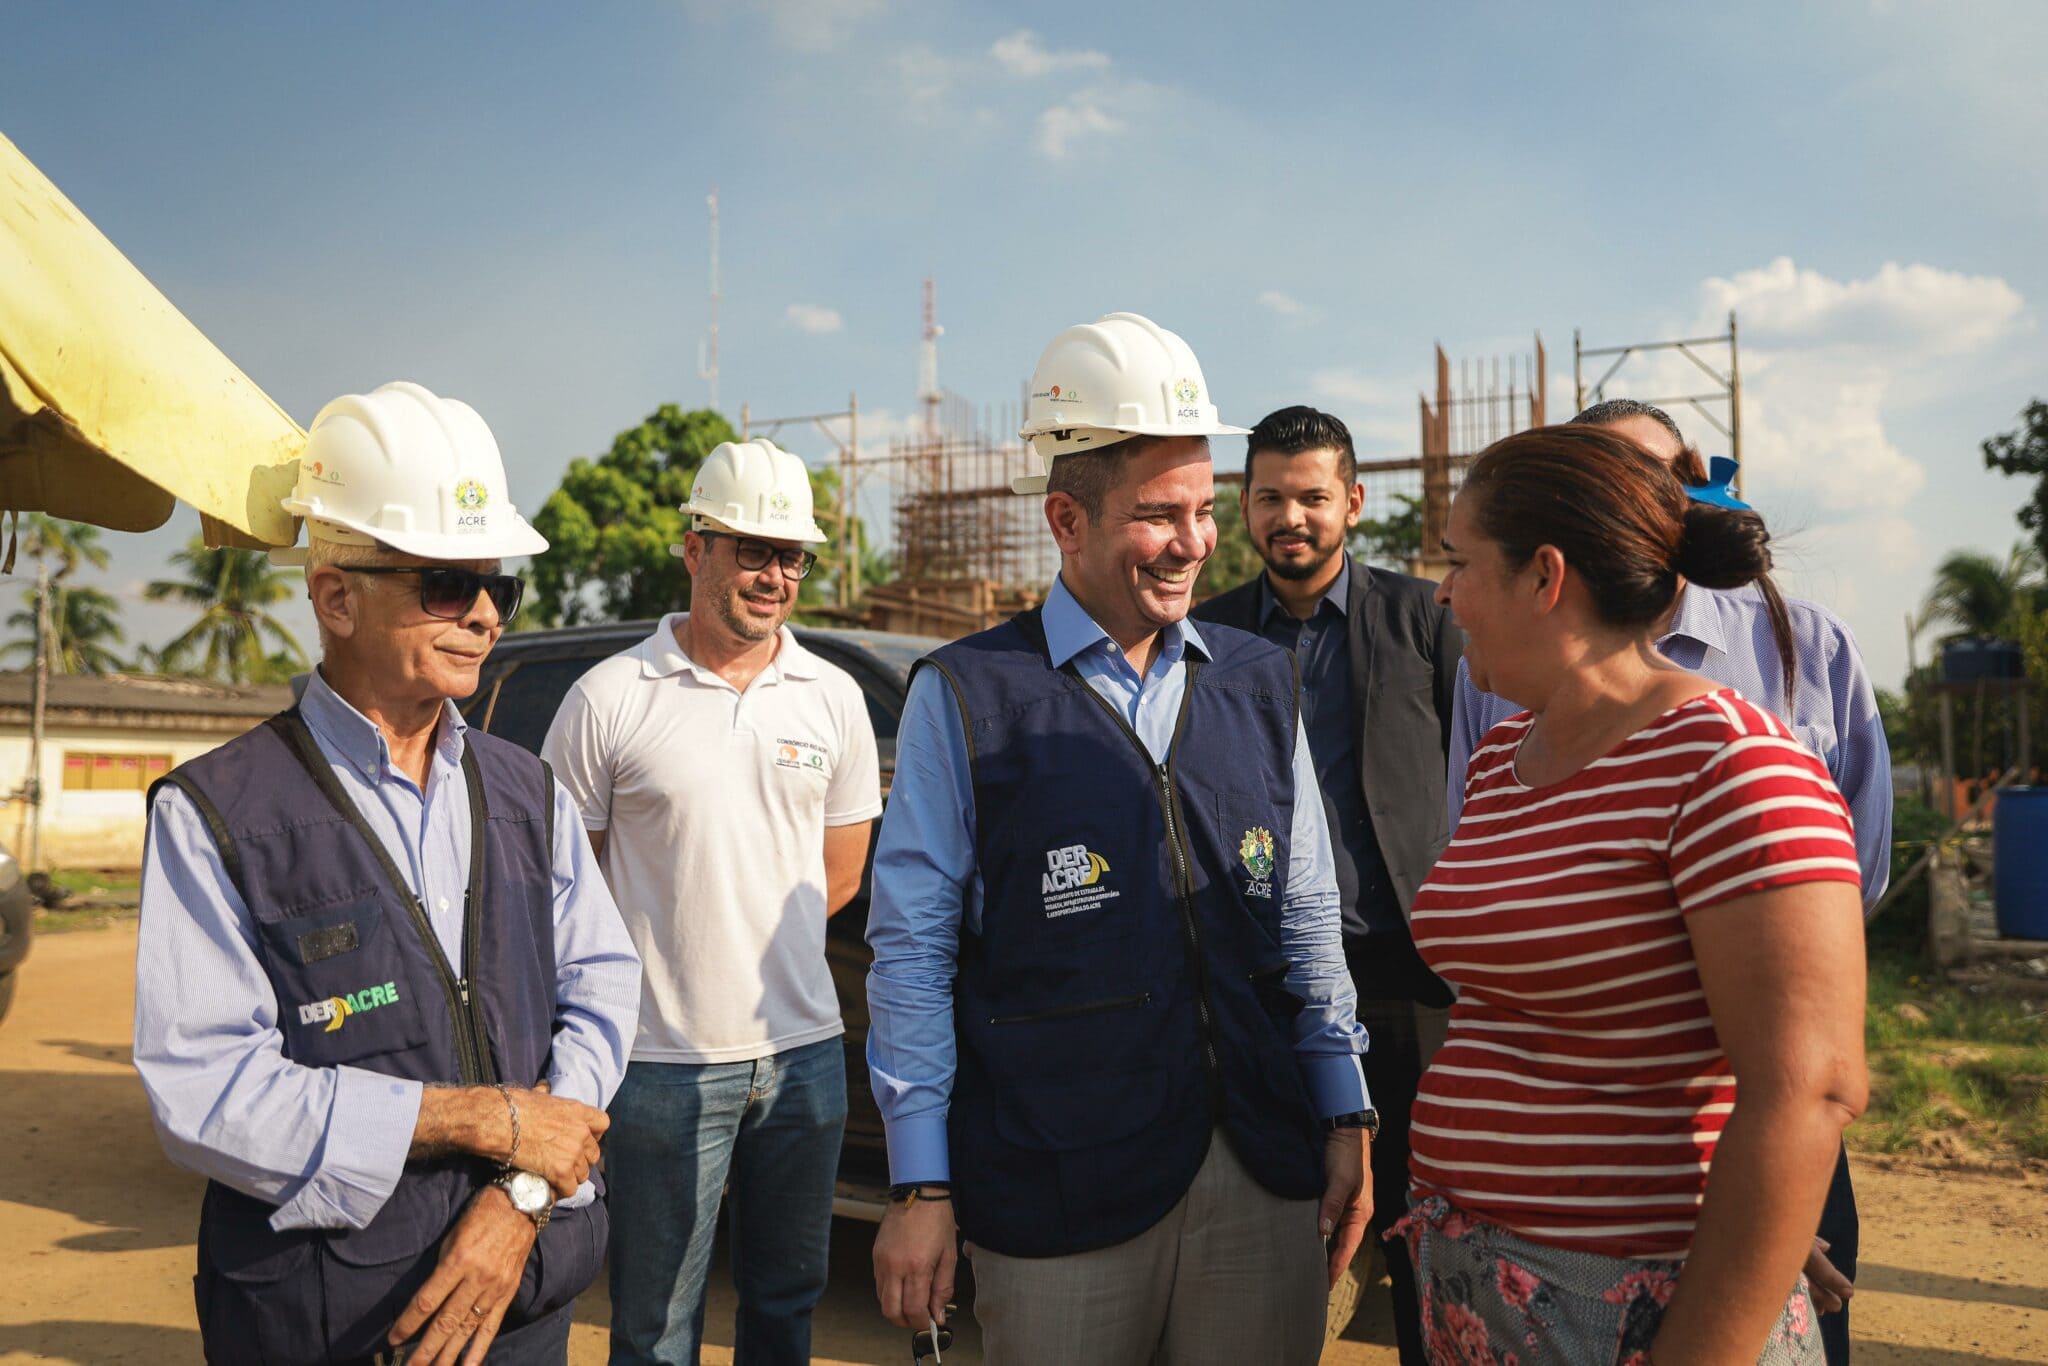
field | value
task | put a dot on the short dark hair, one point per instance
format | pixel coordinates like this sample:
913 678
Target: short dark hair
1290 431
1088 476
1691 467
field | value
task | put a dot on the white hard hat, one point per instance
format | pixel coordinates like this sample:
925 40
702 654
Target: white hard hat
1120 376
754 488
416 471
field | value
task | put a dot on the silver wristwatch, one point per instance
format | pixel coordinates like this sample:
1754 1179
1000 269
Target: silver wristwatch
530 1195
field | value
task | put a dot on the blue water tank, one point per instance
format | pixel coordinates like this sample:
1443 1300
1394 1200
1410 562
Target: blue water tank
1981 659
2019 833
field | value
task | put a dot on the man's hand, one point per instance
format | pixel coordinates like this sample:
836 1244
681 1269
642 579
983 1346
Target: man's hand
916 1253
463 1302
1831 1289
1347 1196
557 1136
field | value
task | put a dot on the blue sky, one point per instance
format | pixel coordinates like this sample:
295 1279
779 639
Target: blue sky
506 203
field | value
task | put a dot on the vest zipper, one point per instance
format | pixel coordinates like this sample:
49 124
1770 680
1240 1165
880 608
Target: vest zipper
1184 886
1143 998
460 1013
472 1004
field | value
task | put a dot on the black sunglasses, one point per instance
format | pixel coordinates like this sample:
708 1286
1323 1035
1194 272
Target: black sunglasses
754 554
450 593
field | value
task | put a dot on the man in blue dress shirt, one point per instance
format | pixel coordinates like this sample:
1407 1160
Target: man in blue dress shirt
1726 636
1111 1026
382 993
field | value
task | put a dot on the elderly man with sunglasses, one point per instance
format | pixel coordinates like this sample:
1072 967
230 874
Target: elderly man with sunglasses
728 778
382 993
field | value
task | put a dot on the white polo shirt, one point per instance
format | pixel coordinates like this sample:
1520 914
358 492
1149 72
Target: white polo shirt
714 805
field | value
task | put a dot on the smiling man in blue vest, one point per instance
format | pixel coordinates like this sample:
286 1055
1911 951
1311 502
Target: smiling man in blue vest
382 993
1112 1033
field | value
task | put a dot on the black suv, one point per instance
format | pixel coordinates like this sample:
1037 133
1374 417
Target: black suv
523 683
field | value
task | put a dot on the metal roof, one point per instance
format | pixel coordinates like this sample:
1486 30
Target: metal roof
145 692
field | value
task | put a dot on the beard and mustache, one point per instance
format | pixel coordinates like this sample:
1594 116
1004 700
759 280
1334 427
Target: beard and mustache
1316 550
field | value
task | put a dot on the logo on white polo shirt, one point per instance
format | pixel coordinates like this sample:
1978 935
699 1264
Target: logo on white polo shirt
1072 881
805 756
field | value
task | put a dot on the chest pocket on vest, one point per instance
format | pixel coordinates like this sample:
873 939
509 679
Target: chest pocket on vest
343 990
1254 845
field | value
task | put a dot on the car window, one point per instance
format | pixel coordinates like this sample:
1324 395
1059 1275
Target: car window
528 699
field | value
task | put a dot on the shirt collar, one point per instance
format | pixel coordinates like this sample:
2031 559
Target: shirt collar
355 737
662 657
1337 595
1070 631
1699 617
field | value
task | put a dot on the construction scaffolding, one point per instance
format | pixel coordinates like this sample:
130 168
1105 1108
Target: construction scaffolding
1724 396
1489 398
969 551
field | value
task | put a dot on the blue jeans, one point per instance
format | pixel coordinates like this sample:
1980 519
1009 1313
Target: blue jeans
767 1132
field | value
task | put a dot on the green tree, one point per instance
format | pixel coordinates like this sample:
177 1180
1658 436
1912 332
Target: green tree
2024 451
1393 541
1980 596
70 544
610 524
1976 594
84 624
233 591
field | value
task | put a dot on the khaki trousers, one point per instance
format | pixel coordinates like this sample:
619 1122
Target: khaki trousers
1231 1275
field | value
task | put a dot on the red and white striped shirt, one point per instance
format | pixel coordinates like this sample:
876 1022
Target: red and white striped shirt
1582 1088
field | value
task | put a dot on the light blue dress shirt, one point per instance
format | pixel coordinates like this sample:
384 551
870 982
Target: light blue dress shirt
925 883
327 1144
1726 636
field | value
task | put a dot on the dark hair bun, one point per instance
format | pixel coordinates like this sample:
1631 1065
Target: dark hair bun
1722 547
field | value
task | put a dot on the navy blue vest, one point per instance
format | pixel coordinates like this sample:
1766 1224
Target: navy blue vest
360 979
1123 998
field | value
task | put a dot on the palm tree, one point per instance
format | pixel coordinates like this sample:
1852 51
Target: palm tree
83 622
69 543
1978 596
233 590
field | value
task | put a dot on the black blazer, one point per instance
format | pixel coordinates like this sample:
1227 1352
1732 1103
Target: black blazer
1404 675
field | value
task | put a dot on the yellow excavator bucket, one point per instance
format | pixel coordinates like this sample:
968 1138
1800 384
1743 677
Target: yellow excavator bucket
112 405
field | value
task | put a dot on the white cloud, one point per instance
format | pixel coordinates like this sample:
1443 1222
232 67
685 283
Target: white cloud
1021 54
1916 307
1073 122
814 319
815 25
1286 305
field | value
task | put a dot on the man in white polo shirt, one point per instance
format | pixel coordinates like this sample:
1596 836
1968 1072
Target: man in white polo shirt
728 779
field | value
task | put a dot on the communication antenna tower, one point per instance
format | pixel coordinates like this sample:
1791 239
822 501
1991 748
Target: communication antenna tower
707 350
928 362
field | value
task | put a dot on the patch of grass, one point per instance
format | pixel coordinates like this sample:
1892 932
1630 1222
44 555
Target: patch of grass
1954 1070
87 882
65 921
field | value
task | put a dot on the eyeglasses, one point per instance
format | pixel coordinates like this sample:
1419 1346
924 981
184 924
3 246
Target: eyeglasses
753 555
449 593
930 1342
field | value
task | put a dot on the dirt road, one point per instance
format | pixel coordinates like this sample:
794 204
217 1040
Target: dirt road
97 1227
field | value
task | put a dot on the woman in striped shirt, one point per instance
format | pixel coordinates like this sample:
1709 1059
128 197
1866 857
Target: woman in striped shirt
1650 912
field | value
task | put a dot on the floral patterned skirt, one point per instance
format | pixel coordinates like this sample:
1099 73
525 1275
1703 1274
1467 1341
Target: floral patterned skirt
1491 1298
